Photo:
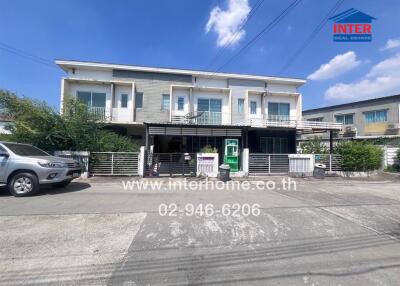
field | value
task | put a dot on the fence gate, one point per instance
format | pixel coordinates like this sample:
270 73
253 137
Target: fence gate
333 162
266 164
170 164
114 163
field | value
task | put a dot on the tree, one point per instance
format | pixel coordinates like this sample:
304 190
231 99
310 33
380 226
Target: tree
76 129
314 146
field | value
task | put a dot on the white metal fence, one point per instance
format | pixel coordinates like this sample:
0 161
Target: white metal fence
114 163
390 156
270 164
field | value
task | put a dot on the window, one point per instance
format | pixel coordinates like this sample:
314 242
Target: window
124 100
278 110
181 103
375 116
253 107
211 111
92 99
240 105
345 119
212 105
165 102
139 99
25 150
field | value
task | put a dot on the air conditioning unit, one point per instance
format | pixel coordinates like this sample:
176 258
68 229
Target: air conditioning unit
393 129
349 131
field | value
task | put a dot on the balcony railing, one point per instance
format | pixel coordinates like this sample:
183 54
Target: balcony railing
99 113
199 117
293 122
217 118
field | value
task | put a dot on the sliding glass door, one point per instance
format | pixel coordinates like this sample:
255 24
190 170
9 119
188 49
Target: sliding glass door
209 111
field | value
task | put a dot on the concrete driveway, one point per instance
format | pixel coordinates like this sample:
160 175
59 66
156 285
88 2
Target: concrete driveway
326 232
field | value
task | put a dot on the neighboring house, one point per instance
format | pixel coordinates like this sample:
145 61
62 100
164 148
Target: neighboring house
4 122
373 118
177 110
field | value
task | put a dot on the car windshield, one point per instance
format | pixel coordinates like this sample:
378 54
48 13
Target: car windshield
25 150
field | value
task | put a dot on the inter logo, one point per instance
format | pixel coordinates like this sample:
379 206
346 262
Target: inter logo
352 26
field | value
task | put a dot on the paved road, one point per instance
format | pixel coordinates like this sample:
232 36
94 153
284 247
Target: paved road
330 232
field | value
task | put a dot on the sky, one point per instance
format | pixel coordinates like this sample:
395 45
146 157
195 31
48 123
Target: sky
201 35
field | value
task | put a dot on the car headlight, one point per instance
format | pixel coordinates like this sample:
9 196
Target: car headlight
53 164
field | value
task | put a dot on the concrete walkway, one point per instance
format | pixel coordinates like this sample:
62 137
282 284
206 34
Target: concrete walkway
329 232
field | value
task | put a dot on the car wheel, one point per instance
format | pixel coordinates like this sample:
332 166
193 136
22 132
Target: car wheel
61 184
23 184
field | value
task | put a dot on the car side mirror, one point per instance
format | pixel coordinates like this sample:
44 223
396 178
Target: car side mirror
4 154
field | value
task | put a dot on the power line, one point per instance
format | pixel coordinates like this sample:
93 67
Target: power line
267 28
311 37
26 55
234 36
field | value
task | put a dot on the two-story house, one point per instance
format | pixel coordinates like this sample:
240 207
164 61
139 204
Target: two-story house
177 110
372 118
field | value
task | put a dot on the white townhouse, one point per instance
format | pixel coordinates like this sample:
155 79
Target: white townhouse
177 111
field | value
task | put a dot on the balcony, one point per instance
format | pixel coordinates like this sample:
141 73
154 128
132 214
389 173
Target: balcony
292 122
201 118
98 113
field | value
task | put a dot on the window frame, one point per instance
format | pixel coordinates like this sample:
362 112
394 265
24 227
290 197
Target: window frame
137 94
251 107
375 116
91 97
240 105
180 105
279 109
168 107
345 117
122 100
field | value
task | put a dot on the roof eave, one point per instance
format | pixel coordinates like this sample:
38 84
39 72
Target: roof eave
67 64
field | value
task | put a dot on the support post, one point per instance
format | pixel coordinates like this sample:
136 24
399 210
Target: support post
147 137
330 141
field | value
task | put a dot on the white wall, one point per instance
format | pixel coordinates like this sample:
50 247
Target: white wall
256 98
176 93
122 114
210 82
91 74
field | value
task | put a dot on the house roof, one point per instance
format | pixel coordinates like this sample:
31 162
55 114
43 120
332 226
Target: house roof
352 16
352 104
69 64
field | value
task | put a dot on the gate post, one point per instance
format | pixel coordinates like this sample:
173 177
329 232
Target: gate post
269 163
141 166
245 161
112 163
330 162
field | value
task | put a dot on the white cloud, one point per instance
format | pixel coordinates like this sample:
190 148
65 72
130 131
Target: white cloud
336 66
227 24
382 80
391 44
390 66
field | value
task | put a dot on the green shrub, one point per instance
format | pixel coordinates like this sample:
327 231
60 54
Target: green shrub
208 149
359 156
314 146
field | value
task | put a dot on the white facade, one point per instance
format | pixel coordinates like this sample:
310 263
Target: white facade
244 98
